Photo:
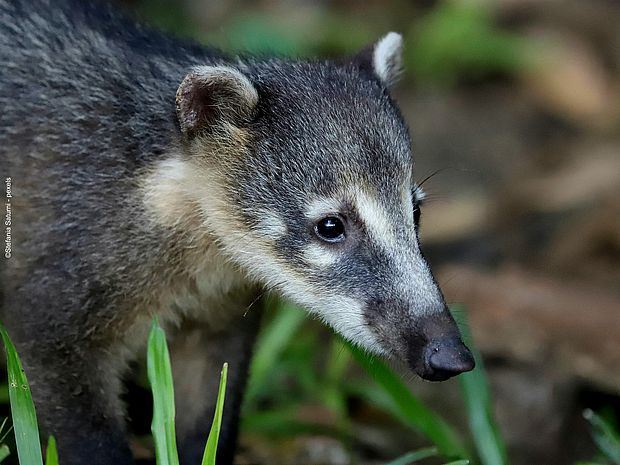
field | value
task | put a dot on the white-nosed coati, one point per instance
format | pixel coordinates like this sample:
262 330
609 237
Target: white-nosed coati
152 176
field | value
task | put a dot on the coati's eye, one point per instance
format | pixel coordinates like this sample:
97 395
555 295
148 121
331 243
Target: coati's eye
330 229
418 198
416 213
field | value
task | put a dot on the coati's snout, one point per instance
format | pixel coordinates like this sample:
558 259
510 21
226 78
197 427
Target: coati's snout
445 358
426 339
434 349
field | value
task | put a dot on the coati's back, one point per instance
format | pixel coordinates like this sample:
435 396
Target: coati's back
86 109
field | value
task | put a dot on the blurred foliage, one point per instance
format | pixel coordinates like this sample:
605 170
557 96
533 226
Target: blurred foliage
295 365
453 41
606 435
476 394
396 397
290 370
416 456
458 39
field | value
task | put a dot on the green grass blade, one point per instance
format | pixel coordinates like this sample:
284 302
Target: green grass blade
210 453
271 343
282 423
4 452
2 432
604 435
475 391
458 462
410 409
22 408
412 457
160 378
337 364
51 456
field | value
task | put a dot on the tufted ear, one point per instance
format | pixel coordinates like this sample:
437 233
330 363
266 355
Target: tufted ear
212 95
383 58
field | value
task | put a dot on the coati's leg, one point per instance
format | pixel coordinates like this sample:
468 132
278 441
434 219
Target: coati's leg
197 354
76 394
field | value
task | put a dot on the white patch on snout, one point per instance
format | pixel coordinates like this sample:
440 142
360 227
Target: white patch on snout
271 226
319 256
343 314
377 221
346 316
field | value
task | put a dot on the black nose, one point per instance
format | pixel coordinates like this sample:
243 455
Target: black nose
445 358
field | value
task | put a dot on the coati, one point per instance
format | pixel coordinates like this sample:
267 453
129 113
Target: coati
154 176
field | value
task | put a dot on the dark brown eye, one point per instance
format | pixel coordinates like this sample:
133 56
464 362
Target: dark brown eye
330 229
416 213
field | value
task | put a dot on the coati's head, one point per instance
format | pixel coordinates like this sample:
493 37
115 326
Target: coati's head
303 173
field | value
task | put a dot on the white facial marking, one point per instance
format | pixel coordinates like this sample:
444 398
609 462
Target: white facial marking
376 219
271 226
343 314
346 316
319 208
166 191
178 190
319 256
410 270
387 59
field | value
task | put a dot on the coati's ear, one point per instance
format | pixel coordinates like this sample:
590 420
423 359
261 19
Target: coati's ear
212 95
384 58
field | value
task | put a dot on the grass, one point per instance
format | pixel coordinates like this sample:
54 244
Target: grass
397 398
475 391
283 345
211 447
412 457
22 407
292 349
606 436
51 454
160 376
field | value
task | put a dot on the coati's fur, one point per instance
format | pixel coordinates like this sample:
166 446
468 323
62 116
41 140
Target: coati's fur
153 176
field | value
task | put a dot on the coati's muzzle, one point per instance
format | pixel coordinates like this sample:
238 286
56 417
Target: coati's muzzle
434 349
427 340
